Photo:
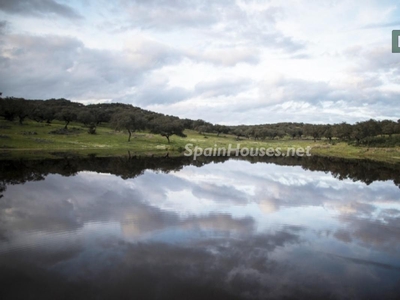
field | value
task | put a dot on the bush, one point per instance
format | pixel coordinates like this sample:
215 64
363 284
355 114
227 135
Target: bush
381 141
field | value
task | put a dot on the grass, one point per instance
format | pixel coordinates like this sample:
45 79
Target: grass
19 142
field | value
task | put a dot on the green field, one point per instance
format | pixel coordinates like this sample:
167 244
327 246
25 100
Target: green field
33 140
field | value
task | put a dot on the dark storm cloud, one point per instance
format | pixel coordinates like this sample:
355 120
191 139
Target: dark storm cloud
38 8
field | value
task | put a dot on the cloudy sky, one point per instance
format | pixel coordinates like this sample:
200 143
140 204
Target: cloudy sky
231 62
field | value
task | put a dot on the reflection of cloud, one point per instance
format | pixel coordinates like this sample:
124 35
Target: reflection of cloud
368 262
208 190
355 208
220 222
149 202
141 219
226 268
343 236
381 235
135 230
268 206
140 223
203 268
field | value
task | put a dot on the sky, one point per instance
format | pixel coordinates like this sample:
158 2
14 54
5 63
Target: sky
227 62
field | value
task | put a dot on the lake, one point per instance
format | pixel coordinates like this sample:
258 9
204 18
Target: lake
117 228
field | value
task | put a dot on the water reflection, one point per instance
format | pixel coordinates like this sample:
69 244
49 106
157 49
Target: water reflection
232 230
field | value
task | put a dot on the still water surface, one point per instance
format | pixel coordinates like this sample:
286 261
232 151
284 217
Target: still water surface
231 230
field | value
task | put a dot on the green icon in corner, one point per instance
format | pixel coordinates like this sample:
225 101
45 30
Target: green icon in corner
396 41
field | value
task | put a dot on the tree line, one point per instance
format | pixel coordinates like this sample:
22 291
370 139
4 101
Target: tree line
119 116
130 118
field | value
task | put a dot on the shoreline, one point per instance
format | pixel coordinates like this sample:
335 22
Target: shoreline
34 141
383 155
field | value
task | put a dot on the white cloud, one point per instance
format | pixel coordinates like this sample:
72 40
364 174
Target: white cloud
222 61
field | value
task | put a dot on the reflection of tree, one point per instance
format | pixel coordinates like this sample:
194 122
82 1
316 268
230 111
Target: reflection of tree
18 171
2 188
358 170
